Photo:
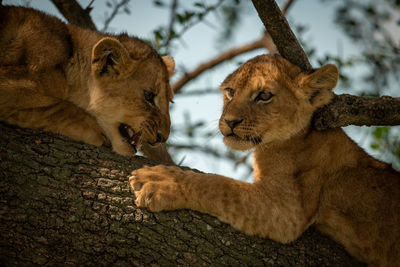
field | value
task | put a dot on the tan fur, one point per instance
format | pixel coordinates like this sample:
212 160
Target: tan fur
80 83
302 177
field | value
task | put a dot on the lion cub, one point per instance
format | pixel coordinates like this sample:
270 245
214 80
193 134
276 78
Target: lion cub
81 83
302 177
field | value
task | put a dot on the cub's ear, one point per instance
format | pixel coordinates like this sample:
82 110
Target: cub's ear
110 59
170 64
317 86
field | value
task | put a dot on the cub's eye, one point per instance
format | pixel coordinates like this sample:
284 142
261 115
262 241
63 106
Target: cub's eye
149 96
262 96
230 92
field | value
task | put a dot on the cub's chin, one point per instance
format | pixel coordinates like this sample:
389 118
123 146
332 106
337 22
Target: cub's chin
123 148
236 143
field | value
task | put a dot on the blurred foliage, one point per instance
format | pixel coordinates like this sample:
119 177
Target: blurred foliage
182 18
386 140
374 26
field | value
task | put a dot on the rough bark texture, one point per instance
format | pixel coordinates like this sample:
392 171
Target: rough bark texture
347 109
277 26
64 202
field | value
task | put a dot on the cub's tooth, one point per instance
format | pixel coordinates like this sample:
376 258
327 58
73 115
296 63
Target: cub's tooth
130 132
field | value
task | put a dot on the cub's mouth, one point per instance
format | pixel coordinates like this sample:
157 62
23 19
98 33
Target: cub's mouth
253 139
130 136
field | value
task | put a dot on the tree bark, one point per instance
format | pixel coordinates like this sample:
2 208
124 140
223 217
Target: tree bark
277 26
64 202
75 14
347 109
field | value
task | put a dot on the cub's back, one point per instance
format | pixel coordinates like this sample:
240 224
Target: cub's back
365 200
32 39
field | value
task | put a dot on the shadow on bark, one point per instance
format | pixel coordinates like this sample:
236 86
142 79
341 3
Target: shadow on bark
64 202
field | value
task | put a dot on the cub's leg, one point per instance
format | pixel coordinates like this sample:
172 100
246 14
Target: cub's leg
23 103
61 117
245 206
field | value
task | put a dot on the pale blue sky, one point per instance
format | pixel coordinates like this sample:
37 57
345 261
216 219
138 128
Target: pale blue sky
199 45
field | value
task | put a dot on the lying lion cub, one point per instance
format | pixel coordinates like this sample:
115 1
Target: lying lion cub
81 83
302 177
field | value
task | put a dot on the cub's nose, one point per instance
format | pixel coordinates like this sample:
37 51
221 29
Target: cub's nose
233 123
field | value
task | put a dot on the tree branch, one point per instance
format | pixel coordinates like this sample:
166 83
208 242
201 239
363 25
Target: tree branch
279 29
74 13
347 109
64 202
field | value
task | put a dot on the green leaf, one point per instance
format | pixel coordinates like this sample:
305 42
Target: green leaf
375 146
180 18
188 15
380 132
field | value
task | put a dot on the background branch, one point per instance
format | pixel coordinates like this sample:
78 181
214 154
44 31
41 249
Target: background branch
172 19
264 42
117 7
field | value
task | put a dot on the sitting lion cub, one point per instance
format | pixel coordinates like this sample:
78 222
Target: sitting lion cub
302 177
81 83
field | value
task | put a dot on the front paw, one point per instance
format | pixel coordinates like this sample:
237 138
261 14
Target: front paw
157 188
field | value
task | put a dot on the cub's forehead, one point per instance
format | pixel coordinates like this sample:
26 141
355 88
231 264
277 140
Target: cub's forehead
260 71
250 74
158 73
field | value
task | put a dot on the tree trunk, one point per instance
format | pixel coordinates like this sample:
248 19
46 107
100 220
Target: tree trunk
64 202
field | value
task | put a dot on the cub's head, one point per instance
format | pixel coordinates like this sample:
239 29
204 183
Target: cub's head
268 99
130 92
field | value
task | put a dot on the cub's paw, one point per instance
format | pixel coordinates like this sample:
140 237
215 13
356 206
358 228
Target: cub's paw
158 188
96 138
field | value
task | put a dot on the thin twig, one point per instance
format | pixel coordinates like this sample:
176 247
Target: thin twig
208 10
89 7
287 6
114 13
174 6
